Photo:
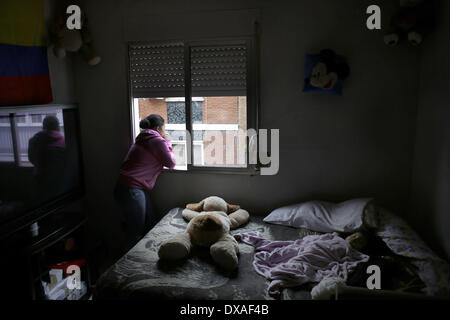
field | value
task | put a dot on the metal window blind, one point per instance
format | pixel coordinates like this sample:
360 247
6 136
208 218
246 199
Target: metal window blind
219 70
157 70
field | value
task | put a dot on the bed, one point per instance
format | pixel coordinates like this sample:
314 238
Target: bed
139 274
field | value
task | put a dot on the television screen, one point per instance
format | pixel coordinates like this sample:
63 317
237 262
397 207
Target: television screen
39 158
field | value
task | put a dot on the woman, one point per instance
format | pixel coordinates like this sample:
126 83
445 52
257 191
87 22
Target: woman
144 162
47 153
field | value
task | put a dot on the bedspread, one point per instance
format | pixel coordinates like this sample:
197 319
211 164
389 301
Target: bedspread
139 274
310 259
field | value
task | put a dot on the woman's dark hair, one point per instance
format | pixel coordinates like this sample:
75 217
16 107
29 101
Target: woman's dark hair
153 121
50 123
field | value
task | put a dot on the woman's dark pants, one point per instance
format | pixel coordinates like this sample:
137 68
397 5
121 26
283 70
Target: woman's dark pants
137 213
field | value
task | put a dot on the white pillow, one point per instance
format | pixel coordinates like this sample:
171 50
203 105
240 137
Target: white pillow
321 216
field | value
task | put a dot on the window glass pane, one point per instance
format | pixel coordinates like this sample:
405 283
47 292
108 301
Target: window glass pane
197 111
179 150
6 143
36 118
20 118
220 137
173 111
176 113
218 80
198 153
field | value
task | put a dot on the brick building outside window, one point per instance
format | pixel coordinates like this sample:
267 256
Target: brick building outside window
217 123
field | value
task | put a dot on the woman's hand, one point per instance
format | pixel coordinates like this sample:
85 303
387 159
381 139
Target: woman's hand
163 133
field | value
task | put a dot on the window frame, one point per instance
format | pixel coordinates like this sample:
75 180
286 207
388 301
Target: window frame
252 97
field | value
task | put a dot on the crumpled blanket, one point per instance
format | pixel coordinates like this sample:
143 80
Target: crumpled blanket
310 259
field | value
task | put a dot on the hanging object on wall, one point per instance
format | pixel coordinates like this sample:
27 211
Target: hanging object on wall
24 73
65 40
325 72
413 20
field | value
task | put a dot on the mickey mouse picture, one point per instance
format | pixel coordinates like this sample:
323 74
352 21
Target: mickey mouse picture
324 72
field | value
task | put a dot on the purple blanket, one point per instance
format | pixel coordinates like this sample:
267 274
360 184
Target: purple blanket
293 263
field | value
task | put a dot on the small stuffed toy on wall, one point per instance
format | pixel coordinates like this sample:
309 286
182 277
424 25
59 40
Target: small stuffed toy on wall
413 21
65 40
209 226
325 72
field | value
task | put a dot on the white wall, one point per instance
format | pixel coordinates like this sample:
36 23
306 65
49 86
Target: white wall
332 148
430 200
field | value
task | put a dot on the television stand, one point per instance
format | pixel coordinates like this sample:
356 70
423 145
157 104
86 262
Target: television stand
60 242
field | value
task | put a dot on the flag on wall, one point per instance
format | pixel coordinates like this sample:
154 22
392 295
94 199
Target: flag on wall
24 73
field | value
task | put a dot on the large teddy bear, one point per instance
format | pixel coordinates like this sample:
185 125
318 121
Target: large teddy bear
209 225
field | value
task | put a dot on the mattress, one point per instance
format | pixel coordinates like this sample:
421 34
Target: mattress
140 274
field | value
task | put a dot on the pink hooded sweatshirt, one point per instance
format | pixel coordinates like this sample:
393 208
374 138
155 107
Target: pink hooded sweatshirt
145 160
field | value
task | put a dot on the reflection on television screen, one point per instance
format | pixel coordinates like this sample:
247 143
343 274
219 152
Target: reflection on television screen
39 159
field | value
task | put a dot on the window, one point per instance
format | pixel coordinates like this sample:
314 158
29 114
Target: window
21 118
6 142
207 109
36 118
17 129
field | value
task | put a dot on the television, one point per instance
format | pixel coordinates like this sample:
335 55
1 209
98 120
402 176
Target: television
40 163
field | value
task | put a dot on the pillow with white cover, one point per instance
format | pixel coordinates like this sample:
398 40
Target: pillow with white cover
322 216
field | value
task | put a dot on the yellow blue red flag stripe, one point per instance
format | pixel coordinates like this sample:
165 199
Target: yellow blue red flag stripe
24 73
